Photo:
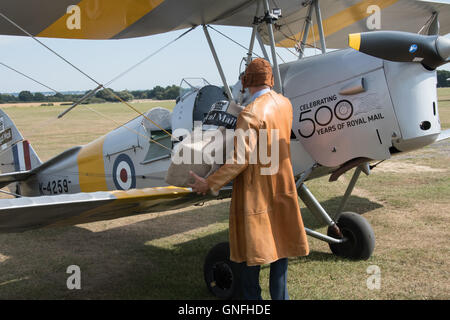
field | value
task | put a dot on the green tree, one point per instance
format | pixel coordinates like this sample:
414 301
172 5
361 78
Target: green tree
25 96
39 97
442 76
57 97
106 95
125 95
9 98
139 94
157 92
171 92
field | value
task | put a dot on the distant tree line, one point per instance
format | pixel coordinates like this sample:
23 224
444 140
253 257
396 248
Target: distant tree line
157 93
442 76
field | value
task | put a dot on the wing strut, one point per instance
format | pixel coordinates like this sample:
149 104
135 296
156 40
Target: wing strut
276 69
263 48
308 22
320 26
313 5
216 60
252 38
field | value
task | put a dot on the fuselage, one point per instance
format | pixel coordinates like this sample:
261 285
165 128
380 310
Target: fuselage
346 105
123 159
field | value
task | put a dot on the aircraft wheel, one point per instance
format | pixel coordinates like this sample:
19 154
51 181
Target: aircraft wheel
360 237
219 272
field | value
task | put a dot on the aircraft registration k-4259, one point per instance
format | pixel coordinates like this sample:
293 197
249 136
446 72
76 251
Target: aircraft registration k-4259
352 107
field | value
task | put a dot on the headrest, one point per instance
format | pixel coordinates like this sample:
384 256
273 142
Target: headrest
160 116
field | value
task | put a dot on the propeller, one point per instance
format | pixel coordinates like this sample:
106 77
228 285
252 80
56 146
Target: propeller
432 51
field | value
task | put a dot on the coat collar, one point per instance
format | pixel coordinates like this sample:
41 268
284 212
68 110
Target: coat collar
259 93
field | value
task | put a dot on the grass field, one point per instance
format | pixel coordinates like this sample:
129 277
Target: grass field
50 136
160 256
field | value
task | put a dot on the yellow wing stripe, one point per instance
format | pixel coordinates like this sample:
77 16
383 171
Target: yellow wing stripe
340 20
126 199
91 167
159 192
99 19
120 207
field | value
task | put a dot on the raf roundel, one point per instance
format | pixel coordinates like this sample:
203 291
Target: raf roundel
123 173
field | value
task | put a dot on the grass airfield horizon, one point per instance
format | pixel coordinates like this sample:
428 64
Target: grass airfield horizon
161 255
50 136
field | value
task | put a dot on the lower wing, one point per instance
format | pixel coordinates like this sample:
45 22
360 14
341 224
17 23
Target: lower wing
26 213
444 135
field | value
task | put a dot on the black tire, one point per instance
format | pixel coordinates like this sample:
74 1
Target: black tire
219 272
360 237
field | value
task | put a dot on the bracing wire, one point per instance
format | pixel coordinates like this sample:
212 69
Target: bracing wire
130 129
148 57
232 40
26 76
11 193
47 122
48 48
92 79
240 45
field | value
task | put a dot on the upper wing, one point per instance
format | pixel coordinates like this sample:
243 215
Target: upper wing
25 213
106 19
343 17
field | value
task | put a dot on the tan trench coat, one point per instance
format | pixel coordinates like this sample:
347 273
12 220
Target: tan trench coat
265 220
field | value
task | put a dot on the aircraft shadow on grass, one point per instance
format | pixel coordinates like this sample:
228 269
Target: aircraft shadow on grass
129 262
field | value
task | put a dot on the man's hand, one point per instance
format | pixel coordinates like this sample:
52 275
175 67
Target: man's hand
200 185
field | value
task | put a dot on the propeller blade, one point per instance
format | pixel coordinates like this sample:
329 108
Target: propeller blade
432 51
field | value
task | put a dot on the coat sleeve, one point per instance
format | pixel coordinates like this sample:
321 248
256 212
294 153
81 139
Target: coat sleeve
248 124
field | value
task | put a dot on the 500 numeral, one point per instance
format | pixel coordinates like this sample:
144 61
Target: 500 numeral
323 116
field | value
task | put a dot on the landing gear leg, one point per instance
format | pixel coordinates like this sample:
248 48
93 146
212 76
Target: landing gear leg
350 236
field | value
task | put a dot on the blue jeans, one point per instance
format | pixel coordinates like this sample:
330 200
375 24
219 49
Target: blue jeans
249 281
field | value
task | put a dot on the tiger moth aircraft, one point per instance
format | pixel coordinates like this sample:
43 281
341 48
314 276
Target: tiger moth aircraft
372 99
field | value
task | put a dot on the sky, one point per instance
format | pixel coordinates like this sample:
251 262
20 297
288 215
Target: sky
105 59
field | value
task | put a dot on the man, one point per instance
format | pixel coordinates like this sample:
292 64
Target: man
265 221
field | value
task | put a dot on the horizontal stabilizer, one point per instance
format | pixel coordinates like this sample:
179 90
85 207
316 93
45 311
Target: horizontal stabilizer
7 178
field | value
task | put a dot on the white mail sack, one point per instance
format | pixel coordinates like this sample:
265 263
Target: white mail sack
206 148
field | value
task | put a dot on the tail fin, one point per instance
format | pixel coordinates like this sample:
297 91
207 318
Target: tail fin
16 154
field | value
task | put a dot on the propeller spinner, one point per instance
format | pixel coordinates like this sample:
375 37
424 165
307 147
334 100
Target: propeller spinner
431 51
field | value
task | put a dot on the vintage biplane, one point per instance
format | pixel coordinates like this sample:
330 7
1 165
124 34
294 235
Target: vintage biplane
353 107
